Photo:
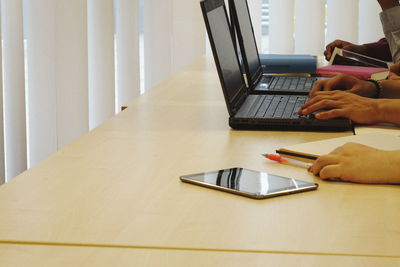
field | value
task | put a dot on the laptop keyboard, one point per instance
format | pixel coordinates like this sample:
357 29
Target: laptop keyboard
288 83
277 106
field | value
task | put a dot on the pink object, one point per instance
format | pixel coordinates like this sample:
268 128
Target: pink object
362 73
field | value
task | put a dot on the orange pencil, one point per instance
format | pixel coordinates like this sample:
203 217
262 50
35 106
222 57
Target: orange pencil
280 159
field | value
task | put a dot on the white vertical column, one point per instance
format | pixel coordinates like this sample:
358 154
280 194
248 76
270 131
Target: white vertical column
255 8
57 74
281 26
370 27
14 89
188 42
127 50
157 40
41 97
310 27
342 20
2 152
71 70
101 61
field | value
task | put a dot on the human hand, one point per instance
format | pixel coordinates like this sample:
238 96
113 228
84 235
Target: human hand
346 83
361 49
394 72
360 164
342 104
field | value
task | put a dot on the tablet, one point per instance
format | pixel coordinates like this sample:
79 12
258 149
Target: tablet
249 183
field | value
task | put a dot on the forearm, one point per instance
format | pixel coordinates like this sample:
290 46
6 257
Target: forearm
386 4
391 172
390 89
388 110
379 50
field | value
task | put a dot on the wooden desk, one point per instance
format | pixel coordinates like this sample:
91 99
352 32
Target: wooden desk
60 256
119 186
382 128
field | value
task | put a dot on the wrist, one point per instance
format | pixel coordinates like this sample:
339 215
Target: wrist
387 110
374 88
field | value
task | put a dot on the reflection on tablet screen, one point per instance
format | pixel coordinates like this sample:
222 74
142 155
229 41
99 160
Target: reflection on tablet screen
249 181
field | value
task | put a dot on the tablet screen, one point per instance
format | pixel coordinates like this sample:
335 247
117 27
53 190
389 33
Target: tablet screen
249 183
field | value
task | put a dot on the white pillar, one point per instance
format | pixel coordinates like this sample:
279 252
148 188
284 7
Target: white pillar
188 32
342 20
40 30
71 67
14 90
310 27
281 26
2 151
157 40
101 61
127 50
255 8
57 74
370 27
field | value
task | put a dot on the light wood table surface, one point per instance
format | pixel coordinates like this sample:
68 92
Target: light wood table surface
119 186
66 256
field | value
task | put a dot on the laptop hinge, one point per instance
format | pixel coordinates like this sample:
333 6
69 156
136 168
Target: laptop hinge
241 97
255 80
259 76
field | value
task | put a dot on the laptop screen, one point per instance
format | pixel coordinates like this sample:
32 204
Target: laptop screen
224 50
245 29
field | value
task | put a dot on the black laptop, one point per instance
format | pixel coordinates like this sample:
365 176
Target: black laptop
257 82
254 111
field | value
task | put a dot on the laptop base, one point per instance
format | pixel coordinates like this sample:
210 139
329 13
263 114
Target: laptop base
307 124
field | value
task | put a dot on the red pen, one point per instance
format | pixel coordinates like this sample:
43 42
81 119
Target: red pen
280 159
